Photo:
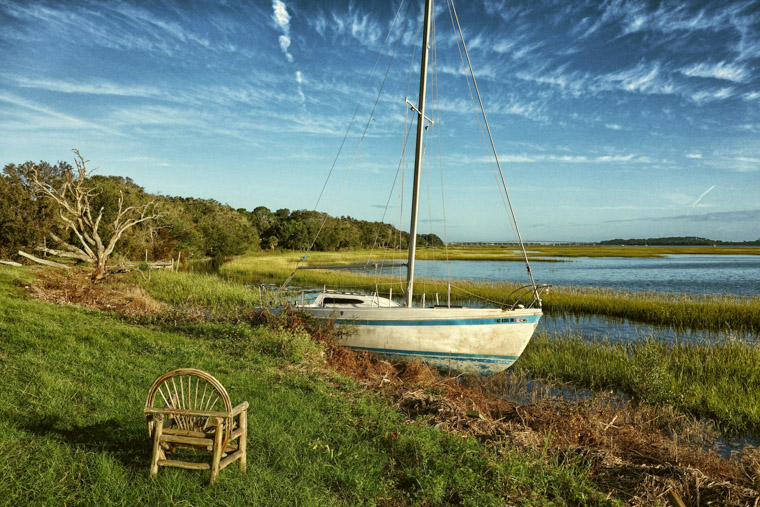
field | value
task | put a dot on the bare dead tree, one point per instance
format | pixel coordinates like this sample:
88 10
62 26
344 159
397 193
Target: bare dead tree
75 209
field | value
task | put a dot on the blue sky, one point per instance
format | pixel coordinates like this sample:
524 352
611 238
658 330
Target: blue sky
611 119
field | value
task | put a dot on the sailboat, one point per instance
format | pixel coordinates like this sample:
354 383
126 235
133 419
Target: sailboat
466 340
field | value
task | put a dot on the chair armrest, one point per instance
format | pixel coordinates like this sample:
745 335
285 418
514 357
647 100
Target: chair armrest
208 413
239 408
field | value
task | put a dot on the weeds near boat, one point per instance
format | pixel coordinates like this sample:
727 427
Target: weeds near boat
679 311
718 381
714 380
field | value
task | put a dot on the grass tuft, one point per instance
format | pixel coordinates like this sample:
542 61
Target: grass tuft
717 381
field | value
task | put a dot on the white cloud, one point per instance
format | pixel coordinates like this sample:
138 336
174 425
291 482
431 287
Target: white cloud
638 79
704 96
720 70
284 45
93 88
702 195
362 27
281 18
693 155
63 121
613 126
572 159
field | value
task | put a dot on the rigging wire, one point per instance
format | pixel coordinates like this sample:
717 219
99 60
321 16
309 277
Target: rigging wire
364 133
440 150
478 118
493 147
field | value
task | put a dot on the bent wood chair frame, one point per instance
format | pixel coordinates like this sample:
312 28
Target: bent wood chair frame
188 408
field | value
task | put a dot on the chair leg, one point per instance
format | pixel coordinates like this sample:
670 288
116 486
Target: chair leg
243 442
217 453
158 429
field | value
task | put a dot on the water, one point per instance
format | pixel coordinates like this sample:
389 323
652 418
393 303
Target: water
689 274
621 330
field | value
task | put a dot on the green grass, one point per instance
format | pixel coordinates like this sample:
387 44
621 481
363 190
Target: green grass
715 313
203 291
718 381
72 430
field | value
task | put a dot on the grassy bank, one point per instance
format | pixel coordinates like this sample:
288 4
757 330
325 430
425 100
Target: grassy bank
715 313
72 430
717 381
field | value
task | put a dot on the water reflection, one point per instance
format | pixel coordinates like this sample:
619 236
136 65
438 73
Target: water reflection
621 330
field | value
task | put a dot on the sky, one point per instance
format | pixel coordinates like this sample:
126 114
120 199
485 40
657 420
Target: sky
611 119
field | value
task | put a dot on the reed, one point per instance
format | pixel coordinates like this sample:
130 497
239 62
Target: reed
679 311
201 291
718 381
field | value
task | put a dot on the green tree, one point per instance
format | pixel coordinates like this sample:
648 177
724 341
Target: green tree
25 217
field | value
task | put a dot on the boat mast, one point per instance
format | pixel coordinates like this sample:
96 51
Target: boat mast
418 153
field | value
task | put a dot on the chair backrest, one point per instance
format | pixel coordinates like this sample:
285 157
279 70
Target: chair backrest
189 389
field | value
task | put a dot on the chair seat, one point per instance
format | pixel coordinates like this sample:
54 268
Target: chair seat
188 408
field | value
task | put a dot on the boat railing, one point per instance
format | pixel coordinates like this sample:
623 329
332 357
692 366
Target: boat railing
526 292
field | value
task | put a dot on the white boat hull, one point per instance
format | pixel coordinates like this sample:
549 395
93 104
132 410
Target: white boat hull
474 341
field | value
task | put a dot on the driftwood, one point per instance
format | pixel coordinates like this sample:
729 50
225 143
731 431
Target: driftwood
43 261
11 263
68 250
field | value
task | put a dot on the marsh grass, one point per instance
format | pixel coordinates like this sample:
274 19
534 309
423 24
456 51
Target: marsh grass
72 430
718 381
202 291
678 311
715 380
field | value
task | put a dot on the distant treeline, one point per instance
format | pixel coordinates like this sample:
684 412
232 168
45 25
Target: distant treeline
678 241
195 227
298 230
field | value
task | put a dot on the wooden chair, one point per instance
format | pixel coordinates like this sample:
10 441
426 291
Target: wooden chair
188 408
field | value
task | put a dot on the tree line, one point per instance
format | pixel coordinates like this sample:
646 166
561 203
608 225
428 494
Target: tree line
31 220
677 241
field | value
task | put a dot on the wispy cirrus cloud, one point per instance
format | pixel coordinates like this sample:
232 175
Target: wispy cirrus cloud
360 25
120 26
101 87
720 70
573 159
64 121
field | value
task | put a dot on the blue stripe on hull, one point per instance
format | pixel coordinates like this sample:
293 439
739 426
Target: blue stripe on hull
532 319
472 363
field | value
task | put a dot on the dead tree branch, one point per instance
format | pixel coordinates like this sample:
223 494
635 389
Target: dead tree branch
74 200
43 261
